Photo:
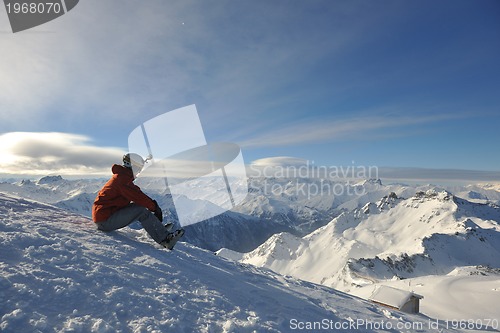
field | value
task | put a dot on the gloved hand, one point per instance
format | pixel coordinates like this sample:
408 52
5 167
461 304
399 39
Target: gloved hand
158 213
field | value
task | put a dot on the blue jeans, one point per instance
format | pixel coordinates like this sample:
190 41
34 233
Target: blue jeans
132 213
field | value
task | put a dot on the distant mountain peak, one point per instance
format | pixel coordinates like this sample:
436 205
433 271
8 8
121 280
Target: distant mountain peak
50 179
26 182
431 232
441 195
371 181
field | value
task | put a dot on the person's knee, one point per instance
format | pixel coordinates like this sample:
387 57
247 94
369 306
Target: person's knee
144 214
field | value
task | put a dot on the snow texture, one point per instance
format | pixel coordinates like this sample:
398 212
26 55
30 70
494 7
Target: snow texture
432 233
59 274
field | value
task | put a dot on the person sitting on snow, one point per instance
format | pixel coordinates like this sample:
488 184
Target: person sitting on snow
120 202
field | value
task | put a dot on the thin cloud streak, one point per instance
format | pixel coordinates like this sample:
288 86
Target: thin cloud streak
286 165
84 70
182 55
437 176
360 128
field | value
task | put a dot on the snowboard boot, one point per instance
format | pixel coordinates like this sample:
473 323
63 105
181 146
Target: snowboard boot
172 239
169 226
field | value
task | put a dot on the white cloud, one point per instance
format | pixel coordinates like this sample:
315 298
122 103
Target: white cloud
34 153
279 161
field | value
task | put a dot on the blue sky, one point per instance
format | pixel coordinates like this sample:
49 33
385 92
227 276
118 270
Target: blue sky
386 83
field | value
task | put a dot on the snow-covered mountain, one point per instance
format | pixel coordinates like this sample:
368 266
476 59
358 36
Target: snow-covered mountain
59 274
431 233
294 205
72 195
365 235
297 205
479 193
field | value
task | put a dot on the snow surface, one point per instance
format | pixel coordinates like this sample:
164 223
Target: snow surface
432 233
458 295
59 274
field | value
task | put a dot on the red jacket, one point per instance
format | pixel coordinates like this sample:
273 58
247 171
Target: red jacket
117 193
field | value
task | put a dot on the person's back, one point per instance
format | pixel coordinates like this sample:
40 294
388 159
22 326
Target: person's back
117 193
121 202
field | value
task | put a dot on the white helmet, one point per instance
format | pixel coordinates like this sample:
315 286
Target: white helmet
133 161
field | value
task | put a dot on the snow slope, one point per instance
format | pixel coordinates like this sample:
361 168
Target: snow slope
58 274
468 293
431 233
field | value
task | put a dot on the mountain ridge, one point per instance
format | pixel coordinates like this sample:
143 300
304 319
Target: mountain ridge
58 273
430 233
